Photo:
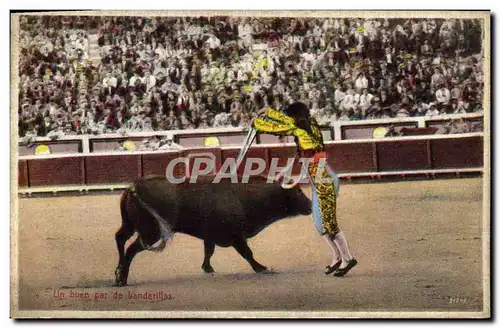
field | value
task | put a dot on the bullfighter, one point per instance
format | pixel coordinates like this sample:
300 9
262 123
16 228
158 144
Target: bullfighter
297 122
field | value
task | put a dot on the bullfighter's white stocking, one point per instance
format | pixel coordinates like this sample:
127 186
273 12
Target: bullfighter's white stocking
335 250
341 243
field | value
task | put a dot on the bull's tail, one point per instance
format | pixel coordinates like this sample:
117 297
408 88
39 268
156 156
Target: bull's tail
165 229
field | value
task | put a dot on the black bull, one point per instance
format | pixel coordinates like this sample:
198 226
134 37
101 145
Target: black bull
223 214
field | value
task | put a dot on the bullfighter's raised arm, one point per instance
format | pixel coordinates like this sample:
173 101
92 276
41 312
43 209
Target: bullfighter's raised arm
279 117
270 127
274 122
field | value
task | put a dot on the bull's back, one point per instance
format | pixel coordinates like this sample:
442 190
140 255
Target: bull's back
203 210
216 211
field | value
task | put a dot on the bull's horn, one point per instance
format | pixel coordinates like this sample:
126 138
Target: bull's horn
281 176
289 185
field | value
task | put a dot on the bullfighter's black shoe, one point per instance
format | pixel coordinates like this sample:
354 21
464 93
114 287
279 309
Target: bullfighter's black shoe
333 268
343 271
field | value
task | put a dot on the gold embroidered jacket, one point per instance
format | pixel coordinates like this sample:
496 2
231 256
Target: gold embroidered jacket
277 123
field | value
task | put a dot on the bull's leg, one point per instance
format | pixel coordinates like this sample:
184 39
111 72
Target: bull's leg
123 270
242 248
209 251
126 231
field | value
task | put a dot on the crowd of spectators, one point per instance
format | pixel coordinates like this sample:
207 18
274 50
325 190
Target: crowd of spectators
99 74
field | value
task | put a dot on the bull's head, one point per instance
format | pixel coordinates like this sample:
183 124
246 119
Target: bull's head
297 202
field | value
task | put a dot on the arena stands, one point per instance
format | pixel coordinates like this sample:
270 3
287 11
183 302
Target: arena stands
97 74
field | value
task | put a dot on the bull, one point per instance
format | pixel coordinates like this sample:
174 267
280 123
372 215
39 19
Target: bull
223 214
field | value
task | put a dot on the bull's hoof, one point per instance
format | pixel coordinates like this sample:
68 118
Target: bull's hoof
120 284
260 269
120 278
207 268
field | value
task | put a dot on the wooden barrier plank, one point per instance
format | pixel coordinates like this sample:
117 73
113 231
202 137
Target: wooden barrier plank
22 179
260 152
402 155
112 169
83 168
156 164
375 156
352 157
192 154
55 171
457 153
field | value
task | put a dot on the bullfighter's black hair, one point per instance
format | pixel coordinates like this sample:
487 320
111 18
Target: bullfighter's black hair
300 113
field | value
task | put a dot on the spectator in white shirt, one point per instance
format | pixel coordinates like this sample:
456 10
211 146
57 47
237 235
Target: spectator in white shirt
339 96
245 31
109 82
230 76
169 144
426 49
344 116
134 80
161 52
314 94
221 120
242 76
329 23
331 116
436 78
57 133
247 63
349 101
443 96
388 55
361 82
145 145
365 99
213 42
149 80
106 49
432 111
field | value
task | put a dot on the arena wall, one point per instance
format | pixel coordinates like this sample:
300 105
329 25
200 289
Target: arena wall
350 158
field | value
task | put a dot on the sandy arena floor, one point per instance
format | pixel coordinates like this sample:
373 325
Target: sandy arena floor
418 245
